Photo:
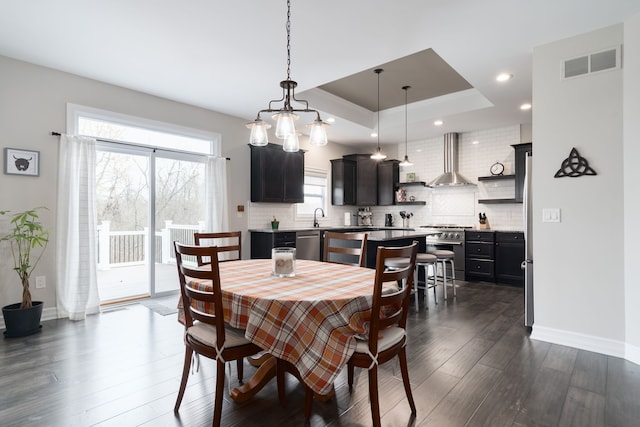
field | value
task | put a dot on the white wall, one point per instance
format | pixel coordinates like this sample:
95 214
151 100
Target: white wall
578 263
631 149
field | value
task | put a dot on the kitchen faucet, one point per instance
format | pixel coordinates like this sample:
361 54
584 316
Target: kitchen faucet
315 221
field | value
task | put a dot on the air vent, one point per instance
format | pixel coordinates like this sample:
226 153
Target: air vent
592 63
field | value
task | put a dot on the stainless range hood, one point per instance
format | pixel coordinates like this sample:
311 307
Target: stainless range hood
450 177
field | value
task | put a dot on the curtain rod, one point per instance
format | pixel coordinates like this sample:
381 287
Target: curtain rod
129 144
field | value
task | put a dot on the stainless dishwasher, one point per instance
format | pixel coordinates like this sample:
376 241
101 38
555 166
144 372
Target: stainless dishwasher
308 245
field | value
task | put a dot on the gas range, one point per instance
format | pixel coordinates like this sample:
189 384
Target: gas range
446 233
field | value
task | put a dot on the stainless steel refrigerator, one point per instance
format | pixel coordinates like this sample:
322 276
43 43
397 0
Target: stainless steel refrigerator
527 264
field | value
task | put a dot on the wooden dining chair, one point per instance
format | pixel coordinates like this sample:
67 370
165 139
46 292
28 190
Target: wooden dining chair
387 331
345 248
205 330
229 249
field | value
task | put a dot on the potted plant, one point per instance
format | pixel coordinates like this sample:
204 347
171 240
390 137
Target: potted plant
274 223
28 239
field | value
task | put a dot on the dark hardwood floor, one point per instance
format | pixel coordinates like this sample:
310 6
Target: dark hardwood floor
471 363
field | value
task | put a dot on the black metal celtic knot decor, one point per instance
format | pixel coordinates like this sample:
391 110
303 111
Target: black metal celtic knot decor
574 166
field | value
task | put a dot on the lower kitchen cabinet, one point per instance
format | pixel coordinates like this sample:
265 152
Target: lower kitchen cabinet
263 242
479 255
494 256
509 257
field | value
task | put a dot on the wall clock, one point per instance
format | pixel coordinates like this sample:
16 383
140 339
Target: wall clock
497 168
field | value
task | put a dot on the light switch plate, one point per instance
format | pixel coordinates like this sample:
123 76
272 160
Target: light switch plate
551 215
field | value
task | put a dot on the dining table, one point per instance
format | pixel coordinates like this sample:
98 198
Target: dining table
310 320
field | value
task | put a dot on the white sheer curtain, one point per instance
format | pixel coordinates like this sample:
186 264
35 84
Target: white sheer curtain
77 283
217 199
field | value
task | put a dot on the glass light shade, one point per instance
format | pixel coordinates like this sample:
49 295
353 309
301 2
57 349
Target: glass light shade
285 126
291 143
259 135
406 161
378 155
318 134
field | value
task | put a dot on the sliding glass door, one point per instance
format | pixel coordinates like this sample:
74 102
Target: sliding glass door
146 200
150 192
122 193
179 212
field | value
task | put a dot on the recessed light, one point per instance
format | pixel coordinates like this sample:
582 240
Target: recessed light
525 106
476 142
331 120
503 77
373 134
438 123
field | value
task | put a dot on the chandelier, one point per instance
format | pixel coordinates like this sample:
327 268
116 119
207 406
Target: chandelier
406 161
285 116
378 155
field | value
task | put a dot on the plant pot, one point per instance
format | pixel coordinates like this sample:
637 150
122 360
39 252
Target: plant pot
21 322
274 225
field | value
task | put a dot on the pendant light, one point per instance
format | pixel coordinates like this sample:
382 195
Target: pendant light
406 161
378 155
285 115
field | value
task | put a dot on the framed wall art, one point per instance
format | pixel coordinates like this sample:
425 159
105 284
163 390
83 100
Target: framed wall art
21 162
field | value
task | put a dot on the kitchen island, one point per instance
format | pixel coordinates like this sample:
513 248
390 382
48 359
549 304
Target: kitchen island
393 237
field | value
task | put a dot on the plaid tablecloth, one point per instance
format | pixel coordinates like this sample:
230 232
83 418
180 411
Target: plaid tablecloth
310 320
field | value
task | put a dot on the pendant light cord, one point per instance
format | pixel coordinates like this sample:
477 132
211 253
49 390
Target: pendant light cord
378 71
406 91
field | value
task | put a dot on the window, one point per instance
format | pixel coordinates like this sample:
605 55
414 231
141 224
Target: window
315 193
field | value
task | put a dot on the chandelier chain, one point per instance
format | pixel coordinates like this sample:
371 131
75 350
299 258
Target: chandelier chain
288 39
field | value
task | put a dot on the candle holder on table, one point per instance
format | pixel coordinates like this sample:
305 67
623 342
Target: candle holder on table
283 262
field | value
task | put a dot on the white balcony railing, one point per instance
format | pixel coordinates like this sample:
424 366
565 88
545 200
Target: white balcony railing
125 248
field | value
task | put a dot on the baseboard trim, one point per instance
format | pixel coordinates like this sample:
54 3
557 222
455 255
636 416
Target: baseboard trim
47 314
580 341
633 354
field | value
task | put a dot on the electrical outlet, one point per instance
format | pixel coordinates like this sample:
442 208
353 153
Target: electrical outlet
41 282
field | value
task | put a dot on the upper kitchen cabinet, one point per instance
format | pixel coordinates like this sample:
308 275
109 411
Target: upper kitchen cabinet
343 182
388 177
277 176
354 180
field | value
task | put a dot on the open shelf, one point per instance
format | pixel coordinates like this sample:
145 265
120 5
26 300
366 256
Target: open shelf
404 184
417 202
498 201
496 177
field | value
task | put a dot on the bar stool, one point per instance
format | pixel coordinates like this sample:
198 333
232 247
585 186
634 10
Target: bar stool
422 260
444 256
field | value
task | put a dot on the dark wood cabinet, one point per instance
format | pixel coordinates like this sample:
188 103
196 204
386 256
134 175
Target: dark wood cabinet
354 180
343 182
263 242
388 177
277 176
509 256
494 256
479 255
